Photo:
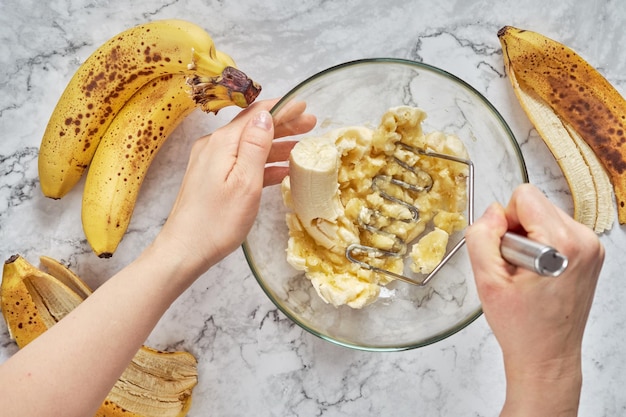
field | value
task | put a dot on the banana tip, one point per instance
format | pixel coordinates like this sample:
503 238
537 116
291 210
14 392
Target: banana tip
12 259
503 30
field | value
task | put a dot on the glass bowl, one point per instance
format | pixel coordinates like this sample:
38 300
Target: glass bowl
404 316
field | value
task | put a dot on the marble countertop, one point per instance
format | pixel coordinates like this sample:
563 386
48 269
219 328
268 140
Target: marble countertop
252 359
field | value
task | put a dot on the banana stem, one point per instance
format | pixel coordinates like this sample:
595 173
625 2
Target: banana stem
231 86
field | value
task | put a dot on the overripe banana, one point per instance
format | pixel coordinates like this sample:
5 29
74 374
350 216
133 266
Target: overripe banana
579 115
155 384
113 74
124 155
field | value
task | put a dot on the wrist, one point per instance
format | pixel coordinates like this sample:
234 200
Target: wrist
168 267
547 388
184 257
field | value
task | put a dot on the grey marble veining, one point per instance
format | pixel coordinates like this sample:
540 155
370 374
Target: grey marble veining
252 359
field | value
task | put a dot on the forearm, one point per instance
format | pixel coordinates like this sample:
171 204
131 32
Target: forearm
74 364
552 391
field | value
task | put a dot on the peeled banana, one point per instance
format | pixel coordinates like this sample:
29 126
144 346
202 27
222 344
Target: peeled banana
579 115
155 384
313 176
107 80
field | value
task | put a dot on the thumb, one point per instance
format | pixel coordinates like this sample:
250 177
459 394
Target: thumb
483 239
488 228
255 143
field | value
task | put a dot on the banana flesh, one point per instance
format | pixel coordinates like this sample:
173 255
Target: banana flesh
155 383
315 162
579 115
330 194
113 74
429 251
313 171
319 226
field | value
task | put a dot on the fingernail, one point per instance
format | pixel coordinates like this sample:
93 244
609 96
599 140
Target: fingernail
263 120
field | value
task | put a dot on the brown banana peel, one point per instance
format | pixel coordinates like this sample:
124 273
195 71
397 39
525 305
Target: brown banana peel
580 116
155 383
589 185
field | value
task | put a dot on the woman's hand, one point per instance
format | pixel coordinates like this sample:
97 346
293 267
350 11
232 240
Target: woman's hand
90 348
220 193
538 321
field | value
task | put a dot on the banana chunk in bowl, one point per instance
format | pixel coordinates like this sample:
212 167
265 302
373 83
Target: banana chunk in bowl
335 200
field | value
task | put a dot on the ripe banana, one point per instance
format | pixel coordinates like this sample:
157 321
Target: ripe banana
155 384
117 70
124 155
579 115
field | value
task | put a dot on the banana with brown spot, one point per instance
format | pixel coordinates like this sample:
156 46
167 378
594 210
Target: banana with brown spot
110 77
124 155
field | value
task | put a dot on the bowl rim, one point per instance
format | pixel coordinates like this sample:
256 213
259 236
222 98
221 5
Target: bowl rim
510 136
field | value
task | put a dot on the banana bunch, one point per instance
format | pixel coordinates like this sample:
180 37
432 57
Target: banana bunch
119 108
155 384
579 115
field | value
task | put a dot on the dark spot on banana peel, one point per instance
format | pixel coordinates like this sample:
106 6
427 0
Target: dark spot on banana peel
592 119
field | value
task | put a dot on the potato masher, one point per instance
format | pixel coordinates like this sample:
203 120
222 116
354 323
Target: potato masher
515 249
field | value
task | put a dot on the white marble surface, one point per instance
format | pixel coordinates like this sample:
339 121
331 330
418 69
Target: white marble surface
252 360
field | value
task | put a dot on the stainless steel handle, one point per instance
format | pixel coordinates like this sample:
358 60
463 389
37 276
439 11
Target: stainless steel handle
526 253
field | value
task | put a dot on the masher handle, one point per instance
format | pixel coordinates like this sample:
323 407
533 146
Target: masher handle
526 253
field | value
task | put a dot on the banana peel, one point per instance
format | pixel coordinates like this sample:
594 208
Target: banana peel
579 115
155 383
588 182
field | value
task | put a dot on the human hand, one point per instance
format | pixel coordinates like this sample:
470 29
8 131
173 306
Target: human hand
538 321
220 193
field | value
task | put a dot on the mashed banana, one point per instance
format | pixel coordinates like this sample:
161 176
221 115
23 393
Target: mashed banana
364 210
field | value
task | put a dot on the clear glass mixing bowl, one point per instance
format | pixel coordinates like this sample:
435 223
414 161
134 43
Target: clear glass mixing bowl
404 316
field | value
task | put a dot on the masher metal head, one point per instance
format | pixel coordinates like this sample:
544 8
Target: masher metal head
517 250
400 247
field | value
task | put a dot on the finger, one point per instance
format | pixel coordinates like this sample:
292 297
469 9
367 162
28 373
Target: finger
255 108
289 111
483 240
274 175
291 120
530 210
255 144
297 126
280 151
239 122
